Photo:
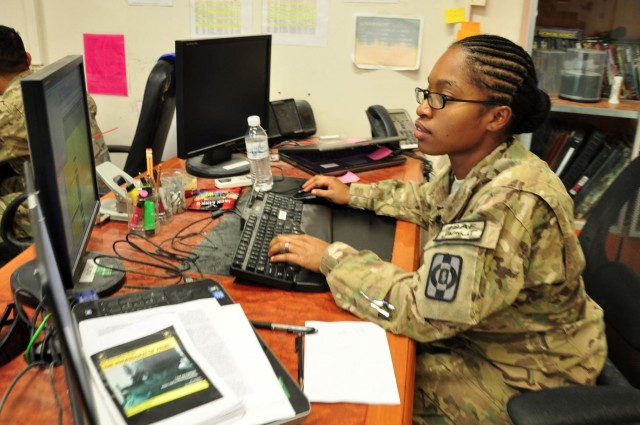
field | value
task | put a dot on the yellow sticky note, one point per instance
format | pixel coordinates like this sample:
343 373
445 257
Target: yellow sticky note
454 15
467 29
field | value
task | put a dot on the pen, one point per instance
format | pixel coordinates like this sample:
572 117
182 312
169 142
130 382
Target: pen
300 351
283 327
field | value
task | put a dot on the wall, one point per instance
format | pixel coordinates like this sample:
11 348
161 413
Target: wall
338 91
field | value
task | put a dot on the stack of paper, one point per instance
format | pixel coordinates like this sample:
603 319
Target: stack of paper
194 362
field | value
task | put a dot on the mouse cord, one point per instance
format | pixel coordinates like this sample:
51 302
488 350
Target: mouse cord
179 238
20 374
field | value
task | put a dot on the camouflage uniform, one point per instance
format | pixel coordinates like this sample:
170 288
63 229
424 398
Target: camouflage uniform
14 148
498 305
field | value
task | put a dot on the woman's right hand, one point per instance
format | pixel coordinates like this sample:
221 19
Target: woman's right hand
327 187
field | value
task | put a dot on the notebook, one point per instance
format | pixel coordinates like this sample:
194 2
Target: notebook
336 156
83 402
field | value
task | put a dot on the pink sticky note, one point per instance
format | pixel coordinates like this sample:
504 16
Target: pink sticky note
105 64
348 177
380 153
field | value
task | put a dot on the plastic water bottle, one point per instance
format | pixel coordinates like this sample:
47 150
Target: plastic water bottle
257 144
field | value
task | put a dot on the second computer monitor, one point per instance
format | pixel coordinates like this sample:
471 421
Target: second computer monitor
219 83
56 112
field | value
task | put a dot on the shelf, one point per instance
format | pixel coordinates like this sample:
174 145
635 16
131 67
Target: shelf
625 109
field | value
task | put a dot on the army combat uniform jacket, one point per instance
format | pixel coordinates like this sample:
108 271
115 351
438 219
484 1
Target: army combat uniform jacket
501 273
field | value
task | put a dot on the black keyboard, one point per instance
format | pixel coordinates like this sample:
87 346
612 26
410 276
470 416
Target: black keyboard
270 215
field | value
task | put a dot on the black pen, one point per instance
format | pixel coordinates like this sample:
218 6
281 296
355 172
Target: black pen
300 351
287 328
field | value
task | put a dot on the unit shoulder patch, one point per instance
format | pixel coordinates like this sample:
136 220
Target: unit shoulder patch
462 230
444 277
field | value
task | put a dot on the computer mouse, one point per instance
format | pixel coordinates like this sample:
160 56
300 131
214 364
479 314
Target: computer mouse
308 196
304 196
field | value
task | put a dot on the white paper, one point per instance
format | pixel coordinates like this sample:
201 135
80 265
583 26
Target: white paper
296 22
225 408
150 2
349 362
224 337
223 18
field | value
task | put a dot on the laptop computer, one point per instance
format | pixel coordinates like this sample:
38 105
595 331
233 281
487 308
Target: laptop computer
336 156
78 376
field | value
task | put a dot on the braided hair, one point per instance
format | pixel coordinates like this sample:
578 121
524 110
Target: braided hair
506 71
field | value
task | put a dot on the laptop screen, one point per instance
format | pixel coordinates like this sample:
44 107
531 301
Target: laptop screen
52 275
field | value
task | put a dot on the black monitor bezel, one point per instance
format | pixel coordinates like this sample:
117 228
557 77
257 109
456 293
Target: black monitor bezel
187 146
41 148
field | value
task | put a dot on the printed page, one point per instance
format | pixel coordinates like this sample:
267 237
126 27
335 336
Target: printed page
225 338
152 373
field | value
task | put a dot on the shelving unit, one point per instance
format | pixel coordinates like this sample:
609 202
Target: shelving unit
594 17
629 109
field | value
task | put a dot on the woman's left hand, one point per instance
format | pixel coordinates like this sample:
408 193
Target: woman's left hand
304 250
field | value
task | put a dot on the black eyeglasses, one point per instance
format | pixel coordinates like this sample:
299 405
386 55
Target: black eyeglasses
439 100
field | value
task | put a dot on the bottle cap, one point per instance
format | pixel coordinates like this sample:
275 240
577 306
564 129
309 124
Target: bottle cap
253 120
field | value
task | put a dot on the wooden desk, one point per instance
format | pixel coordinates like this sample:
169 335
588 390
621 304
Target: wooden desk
32 400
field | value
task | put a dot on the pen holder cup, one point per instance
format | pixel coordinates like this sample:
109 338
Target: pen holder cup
173 187
165 211
144 214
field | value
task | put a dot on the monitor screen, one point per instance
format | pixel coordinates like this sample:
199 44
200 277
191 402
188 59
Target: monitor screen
220 82
58 128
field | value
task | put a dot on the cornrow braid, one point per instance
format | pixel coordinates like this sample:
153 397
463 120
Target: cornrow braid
506 71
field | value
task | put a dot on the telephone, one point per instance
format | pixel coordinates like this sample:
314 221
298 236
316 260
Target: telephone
290 119
392 122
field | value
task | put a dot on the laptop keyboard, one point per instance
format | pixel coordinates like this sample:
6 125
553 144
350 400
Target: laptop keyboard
273 214
152 297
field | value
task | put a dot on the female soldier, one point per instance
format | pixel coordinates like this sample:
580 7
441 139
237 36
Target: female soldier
498 305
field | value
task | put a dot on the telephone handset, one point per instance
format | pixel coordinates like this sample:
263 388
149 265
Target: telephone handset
392 122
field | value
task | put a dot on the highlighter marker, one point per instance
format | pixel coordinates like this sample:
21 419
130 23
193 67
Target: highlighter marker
149 217
139 208
132 191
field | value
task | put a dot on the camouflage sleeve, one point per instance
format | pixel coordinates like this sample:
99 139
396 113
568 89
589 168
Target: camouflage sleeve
405 200
491 276
13 130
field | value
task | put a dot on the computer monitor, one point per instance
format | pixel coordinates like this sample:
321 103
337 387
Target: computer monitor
58 128
220 82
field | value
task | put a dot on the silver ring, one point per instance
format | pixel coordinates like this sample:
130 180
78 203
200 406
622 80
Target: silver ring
286 247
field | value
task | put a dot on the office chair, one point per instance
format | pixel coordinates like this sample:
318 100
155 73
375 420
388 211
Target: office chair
610 240
158 108
11 244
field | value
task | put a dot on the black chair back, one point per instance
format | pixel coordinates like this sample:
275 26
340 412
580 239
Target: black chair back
158 108
611 243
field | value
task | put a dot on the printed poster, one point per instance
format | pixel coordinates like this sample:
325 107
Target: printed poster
387 42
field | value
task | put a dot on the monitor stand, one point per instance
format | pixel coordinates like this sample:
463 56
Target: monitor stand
218 162
25 280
